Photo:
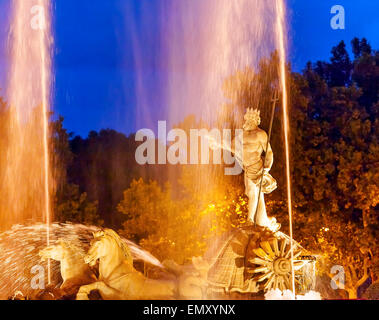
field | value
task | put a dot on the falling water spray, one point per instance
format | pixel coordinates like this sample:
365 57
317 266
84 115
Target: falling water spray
27 175
280 26
45 110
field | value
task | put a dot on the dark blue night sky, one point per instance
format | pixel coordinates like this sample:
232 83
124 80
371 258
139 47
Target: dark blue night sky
94 60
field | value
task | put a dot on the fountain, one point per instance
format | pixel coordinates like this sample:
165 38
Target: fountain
208 41
219 38
27 181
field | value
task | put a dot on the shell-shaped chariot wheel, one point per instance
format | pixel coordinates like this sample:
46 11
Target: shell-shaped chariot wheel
270 263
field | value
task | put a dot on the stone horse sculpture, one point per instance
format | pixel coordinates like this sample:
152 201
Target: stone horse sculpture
74 271
118 280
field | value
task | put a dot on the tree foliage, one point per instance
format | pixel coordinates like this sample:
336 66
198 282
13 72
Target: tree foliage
335 159
70 203
74 206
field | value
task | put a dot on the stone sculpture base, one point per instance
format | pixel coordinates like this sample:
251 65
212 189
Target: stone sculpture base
253 260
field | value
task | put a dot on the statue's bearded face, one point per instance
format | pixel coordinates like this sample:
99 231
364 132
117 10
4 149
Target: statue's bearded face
252 121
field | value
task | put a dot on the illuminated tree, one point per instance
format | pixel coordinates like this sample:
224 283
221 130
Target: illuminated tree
178 228
335 172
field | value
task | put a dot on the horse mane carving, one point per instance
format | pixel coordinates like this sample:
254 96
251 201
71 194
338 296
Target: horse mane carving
118 279
112 235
